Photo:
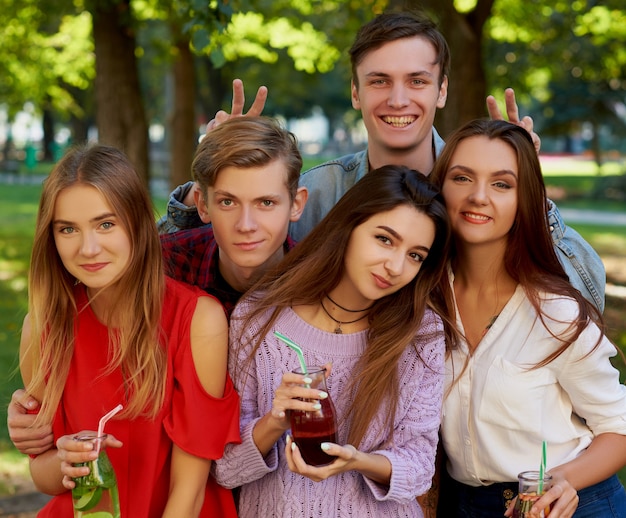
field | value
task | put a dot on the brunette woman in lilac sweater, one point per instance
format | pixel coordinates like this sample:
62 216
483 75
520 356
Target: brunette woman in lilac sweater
361 292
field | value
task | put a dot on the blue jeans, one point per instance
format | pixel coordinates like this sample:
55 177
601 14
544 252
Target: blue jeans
606 499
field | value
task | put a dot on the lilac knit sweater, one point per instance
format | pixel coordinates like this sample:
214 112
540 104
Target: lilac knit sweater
270 489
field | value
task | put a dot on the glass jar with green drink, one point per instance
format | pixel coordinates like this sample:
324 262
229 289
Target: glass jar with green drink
95 495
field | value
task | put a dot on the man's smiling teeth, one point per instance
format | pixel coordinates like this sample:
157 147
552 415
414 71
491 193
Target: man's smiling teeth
476 216
399 122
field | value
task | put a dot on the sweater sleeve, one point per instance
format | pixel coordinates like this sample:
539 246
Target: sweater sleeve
418 416
243 463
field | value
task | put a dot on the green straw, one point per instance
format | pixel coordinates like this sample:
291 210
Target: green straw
296 348
542 468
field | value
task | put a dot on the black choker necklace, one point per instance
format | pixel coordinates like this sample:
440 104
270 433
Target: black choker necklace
349 310
339 322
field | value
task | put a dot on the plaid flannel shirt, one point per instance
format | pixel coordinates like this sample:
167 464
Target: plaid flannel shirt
191 256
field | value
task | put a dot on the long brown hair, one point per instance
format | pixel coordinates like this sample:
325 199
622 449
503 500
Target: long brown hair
530 258
137 294
316 265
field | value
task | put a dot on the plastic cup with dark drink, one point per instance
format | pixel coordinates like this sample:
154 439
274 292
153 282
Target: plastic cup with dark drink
312 428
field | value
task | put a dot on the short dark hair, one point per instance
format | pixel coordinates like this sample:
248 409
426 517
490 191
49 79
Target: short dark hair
388 27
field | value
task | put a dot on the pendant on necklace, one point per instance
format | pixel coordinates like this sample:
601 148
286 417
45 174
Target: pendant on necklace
338 330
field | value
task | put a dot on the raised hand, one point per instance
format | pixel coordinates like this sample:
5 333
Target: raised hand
512 113
239 101
238 104
290 395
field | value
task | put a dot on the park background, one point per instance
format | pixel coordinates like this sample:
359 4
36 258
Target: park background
146 75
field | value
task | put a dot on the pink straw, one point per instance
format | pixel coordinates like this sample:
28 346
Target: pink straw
103 421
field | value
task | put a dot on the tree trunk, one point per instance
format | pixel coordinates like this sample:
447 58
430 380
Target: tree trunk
595 145
120 114
467 88
213 88
80 123
79 130
184 129
48 133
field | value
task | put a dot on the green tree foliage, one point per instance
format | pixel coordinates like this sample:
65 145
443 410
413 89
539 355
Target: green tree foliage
282 44
286 38
298 48
252 35
292 45
568 57
45 54
552 51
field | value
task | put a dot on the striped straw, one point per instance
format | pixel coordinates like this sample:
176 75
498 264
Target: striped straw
298 350
293 345
103 421
542 468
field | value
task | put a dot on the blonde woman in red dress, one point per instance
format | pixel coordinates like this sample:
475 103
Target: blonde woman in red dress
107 327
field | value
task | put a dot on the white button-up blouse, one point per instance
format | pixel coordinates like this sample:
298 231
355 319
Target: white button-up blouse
499 410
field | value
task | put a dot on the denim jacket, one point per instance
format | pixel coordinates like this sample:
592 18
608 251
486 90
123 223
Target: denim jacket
328 182
580 261
179 216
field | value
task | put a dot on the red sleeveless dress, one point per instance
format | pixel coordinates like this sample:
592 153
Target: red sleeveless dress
197 422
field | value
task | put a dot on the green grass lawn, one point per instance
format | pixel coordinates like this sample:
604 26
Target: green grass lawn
578 166
18 206
605 240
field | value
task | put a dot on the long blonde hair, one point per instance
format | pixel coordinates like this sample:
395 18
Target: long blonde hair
137 294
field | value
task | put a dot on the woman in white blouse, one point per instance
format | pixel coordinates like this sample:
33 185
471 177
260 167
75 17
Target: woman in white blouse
533 363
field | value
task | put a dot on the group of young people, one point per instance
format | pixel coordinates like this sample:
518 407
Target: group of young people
437 284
